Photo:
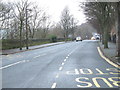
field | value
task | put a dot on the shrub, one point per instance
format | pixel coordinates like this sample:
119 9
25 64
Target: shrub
53 38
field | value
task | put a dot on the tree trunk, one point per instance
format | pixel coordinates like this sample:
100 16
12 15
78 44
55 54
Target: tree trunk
102 38
118 40
26 23
105 38
73 36
65 36
21 25
118 29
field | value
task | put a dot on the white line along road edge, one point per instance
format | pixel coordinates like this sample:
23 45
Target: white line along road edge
11 65
106 59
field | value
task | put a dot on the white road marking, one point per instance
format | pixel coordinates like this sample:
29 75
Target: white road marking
10 65
23 61
63 63
70 53
54 85
64 59
76 71
27 60
57 75
60 68
39 56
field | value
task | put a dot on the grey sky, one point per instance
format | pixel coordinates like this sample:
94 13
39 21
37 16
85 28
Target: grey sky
54 8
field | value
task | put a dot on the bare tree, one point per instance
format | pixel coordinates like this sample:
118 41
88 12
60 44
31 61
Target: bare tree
118 31
65 22
21 14
101 11
107 15
6 16
56 31
45 24
4 12
73 26
117 24
35 20
27 9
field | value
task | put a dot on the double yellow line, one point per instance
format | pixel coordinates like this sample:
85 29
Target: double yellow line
106 59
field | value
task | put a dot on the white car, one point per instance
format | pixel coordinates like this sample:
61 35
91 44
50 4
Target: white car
78 39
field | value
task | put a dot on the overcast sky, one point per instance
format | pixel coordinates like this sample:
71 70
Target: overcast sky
54 8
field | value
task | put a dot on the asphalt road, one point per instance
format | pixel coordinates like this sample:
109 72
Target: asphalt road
68 65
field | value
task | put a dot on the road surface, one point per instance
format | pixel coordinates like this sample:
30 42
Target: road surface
68 65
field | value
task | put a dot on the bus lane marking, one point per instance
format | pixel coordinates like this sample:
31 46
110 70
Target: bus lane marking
85 82
100 78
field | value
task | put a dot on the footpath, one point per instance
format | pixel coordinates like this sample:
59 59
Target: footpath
17 50
110 52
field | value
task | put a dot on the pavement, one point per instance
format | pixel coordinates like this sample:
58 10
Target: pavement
68 65
17 50
110 52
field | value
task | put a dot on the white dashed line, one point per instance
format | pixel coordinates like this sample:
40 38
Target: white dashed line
57 75
60 68
63 63
54 85
64 59
71 52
